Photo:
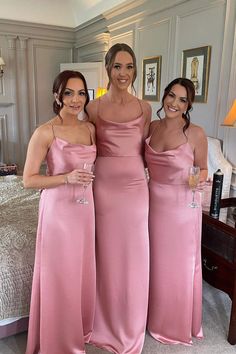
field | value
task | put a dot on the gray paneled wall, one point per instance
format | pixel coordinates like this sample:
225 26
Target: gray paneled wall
166 28
152 28
32 61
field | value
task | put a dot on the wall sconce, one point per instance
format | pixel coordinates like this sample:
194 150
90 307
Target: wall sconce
230 119
100 91
2 63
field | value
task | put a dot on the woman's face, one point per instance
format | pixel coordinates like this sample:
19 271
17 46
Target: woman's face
176 102
122 71
74 97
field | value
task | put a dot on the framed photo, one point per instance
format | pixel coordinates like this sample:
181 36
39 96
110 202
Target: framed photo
91 94
196 67
151 78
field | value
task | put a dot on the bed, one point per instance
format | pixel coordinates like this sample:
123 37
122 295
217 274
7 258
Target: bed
18 224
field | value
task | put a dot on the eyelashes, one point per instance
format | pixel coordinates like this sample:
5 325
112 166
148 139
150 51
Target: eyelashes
183 100
67 93
118 67
71 93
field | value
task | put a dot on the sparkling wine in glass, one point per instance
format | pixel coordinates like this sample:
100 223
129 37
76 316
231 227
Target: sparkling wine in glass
88 167
193 180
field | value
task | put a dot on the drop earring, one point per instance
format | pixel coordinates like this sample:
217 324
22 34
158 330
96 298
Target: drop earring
58 102
81 115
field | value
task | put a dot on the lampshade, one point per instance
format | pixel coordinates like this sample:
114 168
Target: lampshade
2 61
230 119
101 91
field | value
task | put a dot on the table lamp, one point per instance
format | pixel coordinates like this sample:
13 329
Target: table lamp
230 119
2 63
101 91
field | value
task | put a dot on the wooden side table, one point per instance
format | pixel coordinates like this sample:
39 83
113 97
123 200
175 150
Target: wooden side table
219 259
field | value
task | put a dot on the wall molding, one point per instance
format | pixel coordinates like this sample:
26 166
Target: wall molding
90 29
6 104
123 34
40 31
202 6
147 26
3 138
140 9
99 39
2 90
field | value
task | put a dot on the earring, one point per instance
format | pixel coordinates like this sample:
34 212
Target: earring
81 115
58 102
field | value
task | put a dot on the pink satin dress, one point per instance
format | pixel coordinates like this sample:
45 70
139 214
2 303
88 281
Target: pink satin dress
175 299
122 253
64 282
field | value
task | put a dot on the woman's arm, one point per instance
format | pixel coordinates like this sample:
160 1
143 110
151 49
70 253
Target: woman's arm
200 151
37 150
36 153
147 112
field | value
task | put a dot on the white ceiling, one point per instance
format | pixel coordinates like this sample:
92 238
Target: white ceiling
69 13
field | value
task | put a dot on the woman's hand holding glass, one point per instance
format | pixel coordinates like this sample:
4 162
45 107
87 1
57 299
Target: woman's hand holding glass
84 176
193 181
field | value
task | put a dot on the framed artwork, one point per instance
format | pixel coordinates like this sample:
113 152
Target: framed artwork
196 67
151 78
91 94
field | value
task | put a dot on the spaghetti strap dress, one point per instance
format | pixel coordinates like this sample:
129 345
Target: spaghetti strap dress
175 300
122 243
64 281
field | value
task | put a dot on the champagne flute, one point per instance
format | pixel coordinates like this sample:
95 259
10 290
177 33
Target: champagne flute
88 167
193 179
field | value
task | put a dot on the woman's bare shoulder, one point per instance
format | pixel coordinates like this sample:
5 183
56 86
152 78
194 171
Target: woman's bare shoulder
91 126
196 134
196 131
155 123
44 131
92 109
147 111
146 106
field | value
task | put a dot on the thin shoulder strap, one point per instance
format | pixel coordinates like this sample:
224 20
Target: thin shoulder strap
91 133
53 132
139 101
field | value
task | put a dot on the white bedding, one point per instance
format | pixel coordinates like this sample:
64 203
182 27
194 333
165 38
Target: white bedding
8 321
18 224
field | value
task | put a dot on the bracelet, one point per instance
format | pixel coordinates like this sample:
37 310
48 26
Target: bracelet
66 179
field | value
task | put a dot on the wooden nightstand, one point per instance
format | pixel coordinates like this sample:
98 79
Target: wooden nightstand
219 259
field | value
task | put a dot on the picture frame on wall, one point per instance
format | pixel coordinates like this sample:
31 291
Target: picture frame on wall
196 67
91 94
151 78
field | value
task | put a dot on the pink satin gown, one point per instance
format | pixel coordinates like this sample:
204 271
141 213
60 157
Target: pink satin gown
64 283
122 253
175 300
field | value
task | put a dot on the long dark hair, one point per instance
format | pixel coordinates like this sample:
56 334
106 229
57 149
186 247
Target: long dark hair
59 87
110 58
190 89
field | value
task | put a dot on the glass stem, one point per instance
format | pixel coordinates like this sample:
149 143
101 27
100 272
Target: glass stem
193 195
84 189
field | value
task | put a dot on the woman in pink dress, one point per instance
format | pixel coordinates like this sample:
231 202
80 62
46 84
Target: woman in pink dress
63 291
121 206
175 144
